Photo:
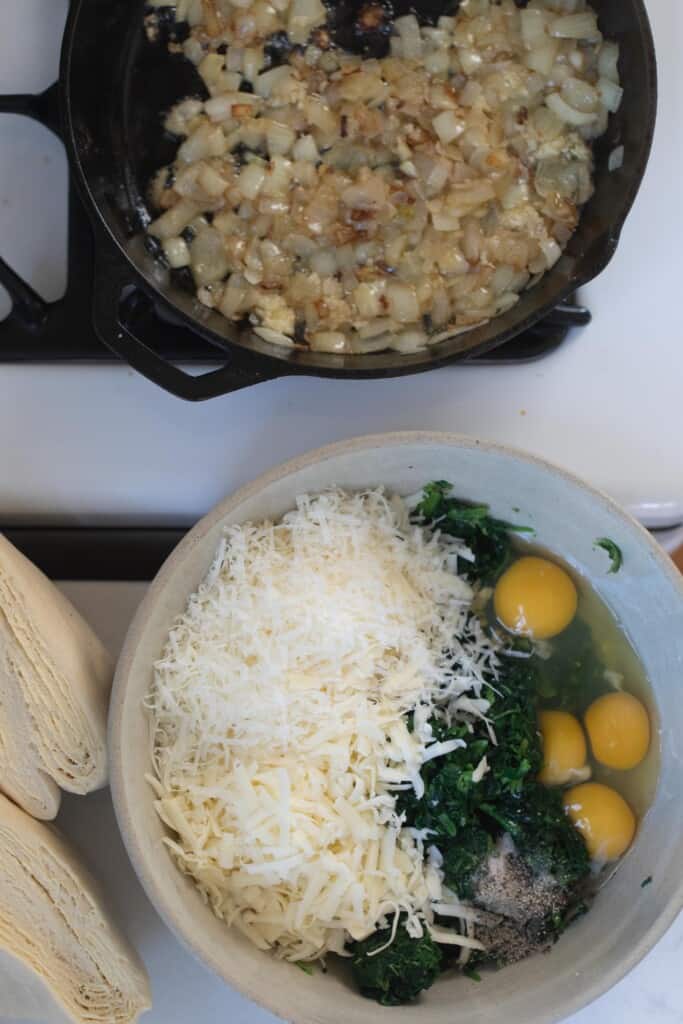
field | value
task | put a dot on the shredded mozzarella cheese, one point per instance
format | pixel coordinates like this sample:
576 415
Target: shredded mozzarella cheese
279 719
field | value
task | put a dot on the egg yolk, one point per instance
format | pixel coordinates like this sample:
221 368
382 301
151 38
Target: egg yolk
618 727
603 817
535 598
564 749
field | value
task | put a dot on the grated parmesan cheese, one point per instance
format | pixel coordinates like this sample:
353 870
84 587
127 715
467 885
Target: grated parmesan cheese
279 719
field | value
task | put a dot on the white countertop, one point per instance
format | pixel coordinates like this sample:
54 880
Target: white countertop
102 444
184 992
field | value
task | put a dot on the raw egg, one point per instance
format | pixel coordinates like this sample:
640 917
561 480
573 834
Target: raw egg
619 730
535 598
564 749
603 818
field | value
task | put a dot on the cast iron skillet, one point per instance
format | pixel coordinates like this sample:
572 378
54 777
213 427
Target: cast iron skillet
114 83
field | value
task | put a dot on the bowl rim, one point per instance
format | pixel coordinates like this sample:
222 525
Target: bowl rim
363 443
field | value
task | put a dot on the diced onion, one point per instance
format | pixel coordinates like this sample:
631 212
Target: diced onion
235 58
443 220
381 326
546 124
275 337
438 63
408 341
174 220
409 31
616 159
208 255
304 16
329 341
576 26
301 245
251 180
567 113
534 27
306 149
448 126
324 262
402 303
542 57
279 138
551 251
211 182
580 95
219 108
211 67
470 61
268 80
253 62
611 94
177 253
608 62
193 50
368 299
235 296
179 118
206 141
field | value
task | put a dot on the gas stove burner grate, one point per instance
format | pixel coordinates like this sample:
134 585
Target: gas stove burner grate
60 332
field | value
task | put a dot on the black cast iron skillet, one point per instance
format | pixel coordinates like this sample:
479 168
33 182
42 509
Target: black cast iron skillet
114 83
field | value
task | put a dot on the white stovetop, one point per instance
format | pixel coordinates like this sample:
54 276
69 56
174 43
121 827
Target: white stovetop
186 993
101 444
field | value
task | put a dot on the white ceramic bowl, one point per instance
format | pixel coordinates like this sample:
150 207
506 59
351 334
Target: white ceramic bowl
647 598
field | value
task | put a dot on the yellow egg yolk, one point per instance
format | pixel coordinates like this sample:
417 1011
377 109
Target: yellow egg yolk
618 727
564 749
535 598
603 818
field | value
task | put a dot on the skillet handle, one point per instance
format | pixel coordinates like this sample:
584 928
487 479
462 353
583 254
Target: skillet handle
42 107
119 335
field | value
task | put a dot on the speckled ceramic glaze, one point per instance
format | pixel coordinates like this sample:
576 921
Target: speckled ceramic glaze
647 598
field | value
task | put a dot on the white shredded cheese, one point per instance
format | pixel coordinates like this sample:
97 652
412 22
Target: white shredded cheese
481 770
450 938
279 710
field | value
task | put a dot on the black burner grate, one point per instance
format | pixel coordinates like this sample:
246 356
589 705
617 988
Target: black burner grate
63 331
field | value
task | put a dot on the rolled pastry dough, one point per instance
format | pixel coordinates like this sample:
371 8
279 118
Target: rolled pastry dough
55 678
52 919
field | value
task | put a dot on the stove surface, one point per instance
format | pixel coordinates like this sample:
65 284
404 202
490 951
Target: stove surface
97 444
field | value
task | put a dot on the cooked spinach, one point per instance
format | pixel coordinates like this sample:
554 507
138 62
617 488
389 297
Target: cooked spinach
398 973
463 858
613 550
517 754
450 795
487 538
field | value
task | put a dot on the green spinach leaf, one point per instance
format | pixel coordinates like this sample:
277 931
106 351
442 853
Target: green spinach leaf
487 538
398 973
616 556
